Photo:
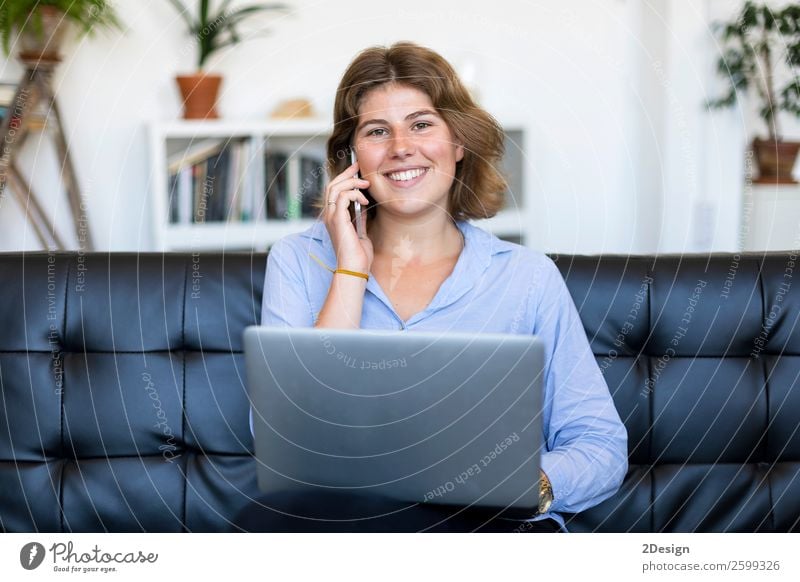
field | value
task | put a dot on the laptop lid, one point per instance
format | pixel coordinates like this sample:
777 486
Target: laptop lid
448 418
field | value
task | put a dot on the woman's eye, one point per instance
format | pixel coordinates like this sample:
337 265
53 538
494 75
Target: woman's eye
422 125
379 131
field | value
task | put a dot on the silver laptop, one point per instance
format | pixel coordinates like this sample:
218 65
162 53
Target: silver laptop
446 418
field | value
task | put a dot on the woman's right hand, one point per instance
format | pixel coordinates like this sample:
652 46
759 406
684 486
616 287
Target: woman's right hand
352 252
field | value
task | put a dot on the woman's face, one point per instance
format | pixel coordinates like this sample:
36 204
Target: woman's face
406 151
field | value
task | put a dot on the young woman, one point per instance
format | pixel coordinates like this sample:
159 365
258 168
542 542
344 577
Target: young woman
427 163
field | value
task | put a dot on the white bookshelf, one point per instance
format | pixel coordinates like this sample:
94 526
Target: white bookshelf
170 140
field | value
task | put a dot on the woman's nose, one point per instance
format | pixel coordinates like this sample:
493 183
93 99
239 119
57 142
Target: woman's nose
403 145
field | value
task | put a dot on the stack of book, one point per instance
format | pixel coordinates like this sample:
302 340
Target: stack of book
221 180
7 91
294 181
34 121
205 182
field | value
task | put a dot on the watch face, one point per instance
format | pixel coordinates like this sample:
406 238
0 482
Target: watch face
545 494
545 501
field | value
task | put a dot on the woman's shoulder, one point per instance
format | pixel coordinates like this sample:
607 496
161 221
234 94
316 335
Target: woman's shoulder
504 253
313 239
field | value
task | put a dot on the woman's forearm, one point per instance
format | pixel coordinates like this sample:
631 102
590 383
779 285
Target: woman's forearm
344 304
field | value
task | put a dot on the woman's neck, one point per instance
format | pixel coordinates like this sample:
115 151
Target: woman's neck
422 242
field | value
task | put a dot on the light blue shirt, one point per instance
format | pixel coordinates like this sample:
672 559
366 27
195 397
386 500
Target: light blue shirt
498 287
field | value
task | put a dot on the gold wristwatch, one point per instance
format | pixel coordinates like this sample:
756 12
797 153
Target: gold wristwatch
545 493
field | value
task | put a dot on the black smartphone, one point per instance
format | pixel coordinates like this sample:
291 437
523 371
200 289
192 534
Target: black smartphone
359 228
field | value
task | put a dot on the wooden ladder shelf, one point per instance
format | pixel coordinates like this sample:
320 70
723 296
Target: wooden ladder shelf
35 93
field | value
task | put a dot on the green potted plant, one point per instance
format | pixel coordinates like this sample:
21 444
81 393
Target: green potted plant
759 58
37 26
212 30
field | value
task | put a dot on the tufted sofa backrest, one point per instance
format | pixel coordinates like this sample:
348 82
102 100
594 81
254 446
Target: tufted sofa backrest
701 356
123 404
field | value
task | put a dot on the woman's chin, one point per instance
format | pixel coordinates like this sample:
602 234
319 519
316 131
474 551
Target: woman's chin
409 208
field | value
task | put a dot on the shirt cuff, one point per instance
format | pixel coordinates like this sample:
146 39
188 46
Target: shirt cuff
557 470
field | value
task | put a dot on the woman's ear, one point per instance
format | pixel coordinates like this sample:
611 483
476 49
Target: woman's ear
459 151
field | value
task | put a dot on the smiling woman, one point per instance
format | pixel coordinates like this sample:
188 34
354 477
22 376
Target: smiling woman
428 157
410 159
478 186
427 160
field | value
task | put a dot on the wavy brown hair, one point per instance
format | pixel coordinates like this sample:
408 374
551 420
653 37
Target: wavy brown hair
478 187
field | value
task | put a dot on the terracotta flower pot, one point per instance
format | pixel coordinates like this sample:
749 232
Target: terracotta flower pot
775 160
43 45
199 92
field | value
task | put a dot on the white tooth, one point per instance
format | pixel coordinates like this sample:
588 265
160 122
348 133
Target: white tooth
406 175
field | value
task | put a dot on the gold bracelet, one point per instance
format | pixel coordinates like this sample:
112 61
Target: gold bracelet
353 273
342 271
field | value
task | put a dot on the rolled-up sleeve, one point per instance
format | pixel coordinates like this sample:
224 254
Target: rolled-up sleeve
285 302
586 455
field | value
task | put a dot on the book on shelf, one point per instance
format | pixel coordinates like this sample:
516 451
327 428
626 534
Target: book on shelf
276 191
244 180
172 193
7 92
211 182
312 184
196 153
293 182
200 202
35 120
233 184
207 182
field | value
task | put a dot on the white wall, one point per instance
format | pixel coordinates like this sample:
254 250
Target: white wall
622 157
700 153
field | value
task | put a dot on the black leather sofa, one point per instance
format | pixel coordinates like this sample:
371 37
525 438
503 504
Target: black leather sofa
124 406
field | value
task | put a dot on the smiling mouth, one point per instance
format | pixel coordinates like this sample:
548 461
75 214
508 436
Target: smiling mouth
406 175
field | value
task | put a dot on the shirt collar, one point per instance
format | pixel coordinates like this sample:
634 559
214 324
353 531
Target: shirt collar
480 245
479 248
